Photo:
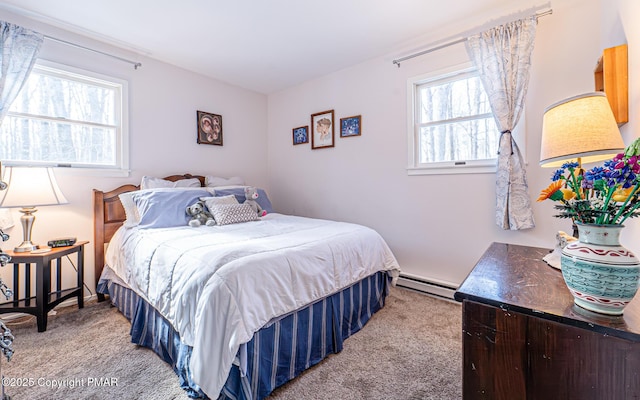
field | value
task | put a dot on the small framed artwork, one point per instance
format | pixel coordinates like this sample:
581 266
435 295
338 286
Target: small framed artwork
322 132
301 135
209 128
351 126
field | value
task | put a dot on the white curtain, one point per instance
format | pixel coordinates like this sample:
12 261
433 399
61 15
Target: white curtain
502 55
19 48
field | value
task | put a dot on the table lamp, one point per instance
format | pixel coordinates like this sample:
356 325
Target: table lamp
580 128
29 187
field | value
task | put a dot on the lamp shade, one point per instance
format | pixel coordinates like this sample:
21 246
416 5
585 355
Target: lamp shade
579 127
31 187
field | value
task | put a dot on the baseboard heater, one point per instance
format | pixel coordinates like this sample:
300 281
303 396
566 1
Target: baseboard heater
429 286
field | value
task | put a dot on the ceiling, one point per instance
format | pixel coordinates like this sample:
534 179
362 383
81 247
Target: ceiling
264 46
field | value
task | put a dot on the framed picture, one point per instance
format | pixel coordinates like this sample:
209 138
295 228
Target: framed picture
322 132
209 128
301 135
351 126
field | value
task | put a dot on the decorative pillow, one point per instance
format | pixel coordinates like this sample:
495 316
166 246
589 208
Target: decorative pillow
130 209
213 181
149 182
226 214
165 207
211 202
262 199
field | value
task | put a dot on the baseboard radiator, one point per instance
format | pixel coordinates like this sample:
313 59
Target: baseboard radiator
428 286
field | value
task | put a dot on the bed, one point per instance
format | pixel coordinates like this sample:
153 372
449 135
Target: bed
242 307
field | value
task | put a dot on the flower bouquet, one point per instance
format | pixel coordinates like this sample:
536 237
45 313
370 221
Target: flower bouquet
603 195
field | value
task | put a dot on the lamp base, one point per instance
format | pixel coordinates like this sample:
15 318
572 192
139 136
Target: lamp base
26 220
25 247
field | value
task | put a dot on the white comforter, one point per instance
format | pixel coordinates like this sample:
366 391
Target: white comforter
218 285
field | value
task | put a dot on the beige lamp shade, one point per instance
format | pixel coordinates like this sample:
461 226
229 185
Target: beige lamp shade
31 187
28 188
579 128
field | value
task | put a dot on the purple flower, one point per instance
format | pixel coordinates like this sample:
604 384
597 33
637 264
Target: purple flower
632 162
624 171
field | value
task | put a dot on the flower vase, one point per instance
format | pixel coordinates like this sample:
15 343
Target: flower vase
601 274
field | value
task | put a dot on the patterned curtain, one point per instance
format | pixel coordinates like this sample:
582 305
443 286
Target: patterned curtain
18 52
503 58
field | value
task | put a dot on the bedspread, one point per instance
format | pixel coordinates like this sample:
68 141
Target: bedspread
218 285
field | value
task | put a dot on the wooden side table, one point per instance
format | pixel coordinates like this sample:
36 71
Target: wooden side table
46 298
524 338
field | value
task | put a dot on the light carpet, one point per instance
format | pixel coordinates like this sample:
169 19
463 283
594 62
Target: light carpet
411 349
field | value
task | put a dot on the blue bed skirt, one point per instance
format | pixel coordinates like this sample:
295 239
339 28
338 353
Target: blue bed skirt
277 353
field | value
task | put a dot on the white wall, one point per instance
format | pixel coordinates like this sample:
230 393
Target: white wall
162 114
437 226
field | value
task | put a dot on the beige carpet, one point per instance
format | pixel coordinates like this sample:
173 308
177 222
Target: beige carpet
411 349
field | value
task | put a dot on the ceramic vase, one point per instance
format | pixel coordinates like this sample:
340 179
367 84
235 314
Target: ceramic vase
601 274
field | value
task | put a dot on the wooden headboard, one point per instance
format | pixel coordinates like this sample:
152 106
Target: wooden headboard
108 216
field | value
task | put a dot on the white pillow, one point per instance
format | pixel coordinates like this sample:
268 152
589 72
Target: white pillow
228 187
149 182
130 209
213 181
211 202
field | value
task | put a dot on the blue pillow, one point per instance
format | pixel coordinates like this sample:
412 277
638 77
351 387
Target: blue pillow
164 208
262 199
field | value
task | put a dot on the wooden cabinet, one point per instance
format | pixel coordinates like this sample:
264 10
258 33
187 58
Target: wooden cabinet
612 77
523 338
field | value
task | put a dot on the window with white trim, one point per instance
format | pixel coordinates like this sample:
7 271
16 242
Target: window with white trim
67 117
451 127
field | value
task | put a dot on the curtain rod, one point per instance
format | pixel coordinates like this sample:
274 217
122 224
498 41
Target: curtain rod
134 63
451 43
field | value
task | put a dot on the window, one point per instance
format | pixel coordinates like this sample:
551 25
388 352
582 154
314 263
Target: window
67 117
452 129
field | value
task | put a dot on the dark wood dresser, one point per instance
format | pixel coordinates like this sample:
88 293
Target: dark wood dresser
523 337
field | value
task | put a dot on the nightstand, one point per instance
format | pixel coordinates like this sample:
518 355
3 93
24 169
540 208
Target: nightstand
46 298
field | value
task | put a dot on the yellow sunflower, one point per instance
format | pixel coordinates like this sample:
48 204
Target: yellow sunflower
568 194
549 192
621 195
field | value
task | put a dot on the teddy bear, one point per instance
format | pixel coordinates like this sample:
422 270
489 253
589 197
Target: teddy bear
199 215
251 194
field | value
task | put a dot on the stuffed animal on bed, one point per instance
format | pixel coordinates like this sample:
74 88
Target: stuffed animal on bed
251 194
199 215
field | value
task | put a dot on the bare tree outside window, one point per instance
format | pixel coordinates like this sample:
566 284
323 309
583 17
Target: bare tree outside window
455 122
452 123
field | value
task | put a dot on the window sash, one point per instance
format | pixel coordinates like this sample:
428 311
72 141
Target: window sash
98 141
452 142
451 110
460 163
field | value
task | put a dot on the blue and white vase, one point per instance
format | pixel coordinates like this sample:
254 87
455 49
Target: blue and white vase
601 274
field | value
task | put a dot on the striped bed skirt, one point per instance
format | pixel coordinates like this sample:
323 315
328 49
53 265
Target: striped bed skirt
277 353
